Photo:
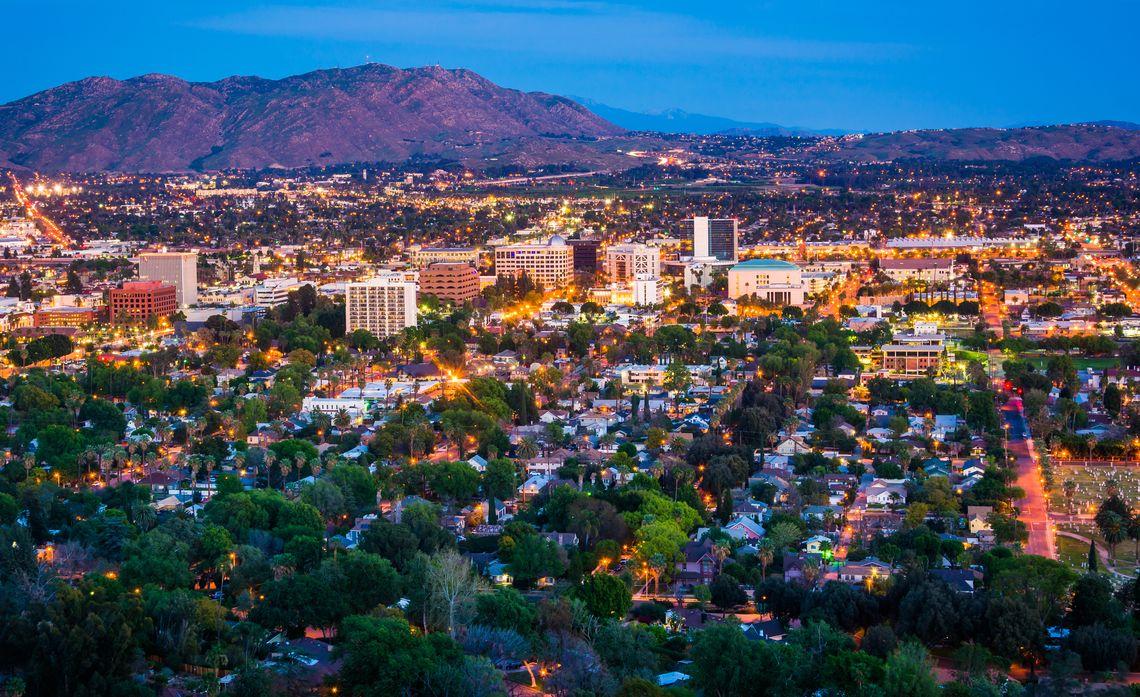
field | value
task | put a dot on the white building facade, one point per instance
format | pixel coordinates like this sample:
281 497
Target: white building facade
384 306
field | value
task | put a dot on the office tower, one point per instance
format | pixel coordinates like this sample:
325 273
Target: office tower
550 265
179 269
624 262
384 306
138 301
450 281
585 255
715 238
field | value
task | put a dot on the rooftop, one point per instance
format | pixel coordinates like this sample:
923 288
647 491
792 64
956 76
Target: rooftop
766 264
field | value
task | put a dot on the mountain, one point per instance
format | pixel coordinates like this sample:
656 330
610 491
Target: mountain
1075 142
373 112
680 121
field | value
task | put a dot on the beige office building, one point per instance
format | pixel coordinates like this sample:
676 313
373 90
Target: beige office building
551 265
625 262
179 269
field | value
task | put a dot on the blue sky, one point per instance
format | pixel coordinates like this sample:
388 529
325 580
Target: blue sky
886 64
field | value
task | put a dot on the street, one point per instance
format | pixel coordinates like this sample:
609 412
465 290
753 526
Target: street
1033 509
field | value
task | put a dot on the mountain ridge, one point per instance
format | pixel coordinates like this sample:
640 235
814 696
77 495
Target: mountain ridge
681 121
373 112
380 113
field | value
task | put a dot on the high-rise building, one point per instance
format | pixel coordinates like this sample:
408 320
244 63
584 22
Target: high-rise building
384 306
624 262
585 255
450 281
715 238
646 290
137 301
551 265
179 269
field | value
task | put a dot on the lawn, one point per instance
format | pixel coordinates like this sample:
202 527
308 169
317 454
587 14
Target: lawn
1091 486
1072 553
1076 553
1081 363
968 356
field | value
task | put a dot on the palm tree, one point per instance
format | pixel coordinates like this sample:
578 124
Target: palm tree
210 464
342 420
194 463
286 467
811 568
118 458
239 463
1111 487
74 402
585 521
1114 529
388 382
765 553
299 462
29 461
720 553
270 458
527 448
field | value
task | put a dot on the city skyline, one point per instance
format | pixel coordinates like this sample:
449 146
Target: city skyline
878 66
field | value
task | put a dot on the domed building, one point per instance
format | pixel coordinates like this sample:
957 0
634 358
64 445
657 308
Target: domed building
777 281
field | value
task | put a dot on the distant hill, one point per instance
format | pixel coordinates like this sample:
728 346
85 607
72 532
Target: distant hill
1077 142
680 121
372 112
369 113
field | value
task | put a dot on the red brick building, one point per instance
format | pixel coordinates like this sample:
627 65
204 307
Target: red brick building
138 301
450 281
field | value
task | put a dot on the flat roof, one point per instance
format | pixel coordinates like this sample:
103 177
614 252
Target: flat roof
767 264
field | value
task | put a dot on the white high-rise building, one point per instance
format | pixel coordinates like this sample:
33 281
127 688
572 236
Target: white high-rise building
646 290
624 262
551 265
715 238
179 269
384 306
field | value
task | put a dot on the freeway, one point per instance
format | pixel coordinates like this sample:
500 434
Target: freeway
1033 509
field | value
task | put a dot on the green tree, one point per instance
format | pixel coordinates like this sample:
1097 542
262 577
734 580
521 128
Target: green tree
500 480
604 595
909 673
381 656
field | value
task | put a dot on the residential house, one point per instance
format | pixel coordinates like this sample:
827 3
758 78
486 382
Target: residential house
698 565
886 492
764 630
744 528
978 519
960 580
817 544
865 571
